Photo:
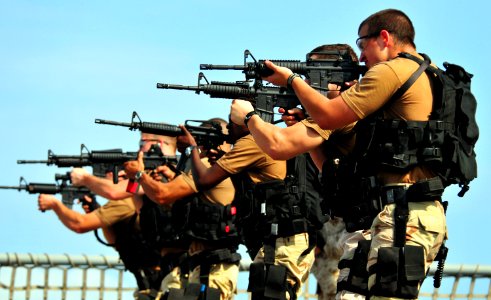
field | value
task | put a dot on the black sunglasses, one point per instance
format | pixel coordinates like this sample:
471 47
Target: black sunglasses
359 40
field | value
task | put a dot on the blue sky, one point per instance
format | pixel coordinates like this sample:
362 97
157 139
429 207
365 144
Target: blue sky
65 63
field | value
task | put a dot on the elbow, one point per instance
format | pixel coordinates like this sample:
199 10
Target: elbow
324 124
78 228
161 197
114 195
277 153
203 184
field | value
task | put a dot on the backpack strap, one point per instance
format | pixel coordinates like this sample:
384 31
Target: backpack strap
423 66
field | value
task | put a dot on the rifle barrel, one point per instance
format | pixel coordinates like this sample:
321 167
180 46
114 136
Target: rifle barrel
108 122
177 87
32 161
221 67
10 187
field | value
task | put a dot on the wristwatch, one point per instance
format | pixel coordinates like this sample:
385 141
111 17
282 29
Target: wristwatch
189 150
248 117
138 175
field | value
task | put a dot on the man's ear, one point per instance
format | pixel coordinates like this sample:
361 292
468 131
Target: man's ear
386 37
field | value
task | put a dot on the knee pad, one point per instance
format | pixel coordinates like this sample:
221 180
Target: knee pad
399 272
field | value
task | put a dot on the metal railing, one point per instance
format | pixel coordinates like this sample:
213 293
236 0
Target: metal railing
48 276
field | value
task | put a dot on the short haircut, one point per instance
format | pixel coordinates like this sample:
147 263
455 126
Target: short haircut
394 21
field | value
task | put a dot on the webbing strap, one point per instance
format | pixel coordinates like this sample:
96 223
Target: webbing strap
398 94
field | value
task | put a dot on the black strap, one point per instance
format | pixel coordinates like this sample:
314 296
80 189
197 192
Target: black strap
398 94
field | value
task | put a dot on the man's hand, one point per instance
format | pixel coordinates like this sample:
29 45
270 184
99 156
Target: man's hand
163 171
78 176
47 202
238 111
133 166
185 140
291 116
88 205
214 155
280 75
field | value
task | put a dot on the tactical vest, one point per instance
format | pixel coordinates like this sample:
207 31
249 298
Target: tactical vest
341 192
279 208
162 226
211 222
391 145
136 253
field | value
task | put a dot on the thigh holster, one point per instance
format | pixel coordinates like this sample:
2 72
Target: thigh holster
399 271
357 281
267 281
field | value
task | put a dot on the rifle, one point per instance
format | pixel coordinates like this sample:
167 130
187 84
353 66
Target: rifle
264 98
105 161
210 137
338 68
68 192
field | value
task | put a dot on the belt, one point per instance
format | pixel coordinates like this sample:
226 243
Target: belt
421 191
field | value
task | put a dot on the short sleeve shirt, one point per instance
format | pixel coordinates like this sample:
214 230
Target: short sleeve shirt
377 87
222 193
381 82
116 211
343 138
247 156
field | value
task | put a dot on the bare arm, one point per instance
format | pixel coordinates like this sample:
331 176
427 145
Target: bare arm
165 193
157 191
204 177
73 220
279 143
103 187
330 114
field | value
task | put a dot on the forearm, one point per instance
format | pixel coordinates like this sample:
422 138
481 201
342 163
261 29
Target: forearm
71 219
283 143
277 142
106 188
328 113
164 193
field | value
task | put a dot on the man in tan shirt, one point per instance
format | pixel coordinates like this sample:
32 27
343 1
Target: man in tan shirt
382 36
208 239
283 251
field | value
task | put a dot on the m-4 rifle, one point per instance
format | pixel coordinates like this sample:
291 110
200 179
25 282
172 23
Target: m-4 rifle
105 161
209 135
265 98
320 68
69 193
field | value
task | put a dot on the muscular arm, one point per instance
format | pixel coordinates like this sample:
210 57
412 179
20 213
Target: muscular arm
73 220
204 177
165 193
279 143
103 187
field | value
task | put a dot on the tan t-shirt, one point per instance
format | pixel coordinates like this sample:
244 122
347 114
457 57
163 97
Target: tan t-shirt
376 88
116 211
222 193
247 156
343 138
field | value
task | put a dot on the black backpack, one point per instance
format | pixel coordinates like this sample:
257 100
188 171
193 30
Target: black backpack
453 122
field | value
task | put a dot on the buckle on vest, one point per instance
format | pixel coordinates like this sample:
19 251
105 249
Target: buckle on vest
393 194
